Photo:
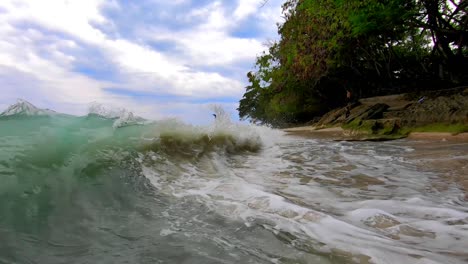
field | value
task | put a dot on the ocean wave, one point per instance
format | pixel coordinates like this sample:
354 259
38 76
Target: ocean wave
25 108
122 116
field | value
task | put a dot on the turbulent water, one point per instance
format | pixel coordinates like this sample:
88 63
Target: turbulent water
83 190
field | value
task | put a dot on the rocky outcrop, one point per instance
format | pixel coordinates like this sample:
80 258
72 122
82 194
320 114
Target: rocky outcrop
437 107
385 116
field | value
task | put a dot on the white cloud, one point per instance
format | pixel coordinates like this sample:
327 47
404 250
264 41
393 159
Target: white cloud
210 48
210 43
44 40
20 52
141 59
73 17
246 8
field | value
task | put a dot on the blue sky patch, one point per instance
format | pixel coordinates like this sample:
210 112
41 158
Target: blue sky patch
136 54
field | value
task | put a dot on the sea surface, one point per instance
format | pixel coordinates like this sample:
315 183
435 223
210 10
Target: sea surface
85 190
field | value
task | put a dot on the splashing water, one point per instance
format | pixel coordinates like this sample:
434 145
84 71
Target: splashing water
122 116
84 190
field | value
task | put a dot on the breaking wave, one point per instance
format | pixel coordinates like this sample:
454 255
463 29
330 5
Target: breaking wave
110 187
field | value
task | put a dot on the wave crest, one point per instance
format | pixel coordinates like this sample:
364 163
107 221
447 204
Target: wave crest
25 108
196 145
122 116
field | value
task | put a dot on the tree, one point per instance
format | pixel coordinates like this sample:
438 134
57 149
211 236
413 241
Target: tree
447 24
370 46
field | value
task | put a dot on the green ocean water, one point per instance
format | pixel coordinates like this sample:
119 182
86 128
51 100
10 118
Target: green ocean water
83 190
72 188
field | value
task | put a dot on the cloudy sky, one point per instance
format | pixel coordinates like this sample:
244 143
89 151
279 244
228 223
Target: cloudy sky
157 58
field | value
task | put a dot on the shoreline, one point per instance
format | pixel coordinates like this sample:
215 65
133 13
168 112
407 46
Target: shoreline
339 133
444 136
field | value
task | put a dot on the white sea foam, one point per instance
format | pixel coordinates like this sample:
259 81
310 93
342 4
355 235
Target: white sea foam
308 189
122 116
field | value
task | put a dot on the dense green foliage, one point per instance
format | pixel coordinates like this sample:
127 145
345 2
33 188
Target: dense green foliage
370 47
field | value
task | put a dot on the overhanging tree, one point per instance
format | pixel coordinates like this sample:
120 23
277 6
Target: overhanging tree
370 46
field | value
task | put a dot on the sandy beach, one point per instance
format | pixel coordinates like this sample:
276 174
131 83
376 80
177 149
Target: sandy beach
438 136
339 133
312 131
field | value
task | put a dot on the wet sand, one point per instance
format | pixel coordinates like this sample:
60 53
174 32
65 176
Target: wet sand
312 131
339 133
442 152
439 136
446 155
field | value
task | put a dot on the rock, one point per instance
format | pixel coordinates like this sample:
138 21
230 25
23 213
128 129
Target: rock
373 112
395 116
414 232
331 118
381 221
356 112
383 117
441 109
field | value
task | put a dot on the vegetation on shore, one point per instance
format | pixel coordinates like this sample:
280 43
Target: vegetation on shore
369 47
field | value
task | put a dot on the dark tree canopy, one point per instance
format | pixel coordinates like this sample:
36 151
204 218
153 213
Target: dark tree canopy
371 47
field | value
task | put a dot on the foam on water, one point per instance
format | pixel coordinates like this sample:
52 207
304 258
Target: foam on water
225 193
122 116
316 192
